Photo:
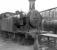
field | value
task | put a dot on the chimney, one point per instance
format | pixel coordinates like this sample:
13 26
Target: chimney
31 4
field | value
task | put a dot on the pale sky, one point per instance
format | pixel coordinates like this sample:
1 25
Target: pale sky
13 5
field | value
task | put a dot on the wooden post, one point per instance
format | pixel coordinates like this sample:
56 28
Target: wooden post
26 35
9 35
36 43
14 35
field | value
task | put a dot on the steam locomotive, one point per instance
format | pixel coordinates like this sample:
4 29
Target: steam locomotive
19 26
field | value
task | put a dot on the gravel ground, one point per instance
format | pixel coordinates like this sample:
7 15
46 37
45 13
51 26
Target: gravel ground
9 45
